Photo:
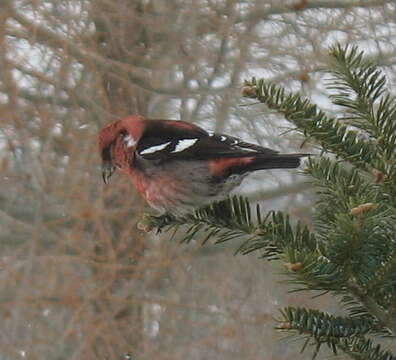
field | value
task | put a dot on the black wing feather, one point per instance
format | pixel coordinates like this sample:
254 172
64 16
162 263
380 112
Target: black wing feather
204 148
165 140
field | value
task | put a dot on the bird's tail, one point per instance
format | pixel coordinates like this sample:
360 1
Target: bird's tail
276 161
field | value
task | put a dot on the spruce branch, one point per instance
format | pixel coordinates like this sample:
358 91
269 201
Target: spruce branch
385 318
384 286
234 218
364 349
338 187
275 237
277 233
315 272
338 333
366 229
360 89
365 134
225 220
332 135
323 325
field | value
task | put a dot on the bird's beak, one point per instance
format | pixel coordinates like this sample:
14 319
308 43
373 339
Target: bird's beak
107 170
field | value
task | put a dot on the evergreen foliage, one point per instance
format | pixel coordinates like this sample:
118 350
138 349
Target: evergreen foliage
351 250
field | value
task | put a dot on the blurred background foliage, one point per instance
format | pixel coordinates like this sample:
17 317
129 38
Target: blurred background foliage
78 280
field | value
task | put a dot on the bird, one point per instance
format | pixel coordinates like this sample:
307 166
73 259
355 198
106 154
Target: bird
178 167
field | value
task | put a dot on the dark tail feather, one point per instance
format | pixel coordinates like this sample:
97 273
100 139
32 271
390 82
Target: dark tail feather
276 161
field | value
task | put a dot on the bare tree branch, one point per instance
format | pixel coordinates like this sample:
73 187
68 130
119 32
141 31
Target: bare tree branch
301 6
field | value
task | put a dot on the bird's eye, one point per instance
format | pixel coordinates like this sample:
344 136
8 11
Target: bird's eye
129 140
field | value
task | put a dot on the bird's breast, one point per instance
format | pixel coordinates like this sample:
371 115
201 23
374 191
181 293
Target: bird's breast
160 191
180 190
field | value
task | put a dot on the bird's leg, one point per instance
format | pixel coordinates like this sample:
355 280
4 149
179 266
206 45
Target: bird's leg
163 220
150 222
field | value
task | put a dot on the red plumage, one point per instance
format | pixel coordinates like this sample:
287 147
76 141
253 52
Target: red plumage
177 166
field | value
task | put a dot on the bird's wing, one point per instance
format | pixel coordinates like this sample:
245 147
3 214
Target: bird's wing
184 141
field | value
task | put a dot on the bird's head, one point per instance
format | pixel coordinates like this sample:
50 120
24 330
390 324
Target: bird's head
117 143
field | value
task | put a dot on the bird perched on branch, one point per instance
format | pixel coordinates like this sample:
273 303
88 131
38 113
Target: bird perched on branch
177 166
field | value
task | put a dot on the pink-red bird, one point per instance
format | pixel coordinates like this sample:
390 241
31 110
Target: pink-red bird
177 166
